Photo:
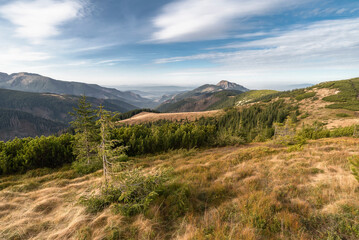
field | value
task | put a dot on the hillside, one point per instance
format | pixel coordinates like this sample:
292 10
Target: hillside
274 166
332 104
41 113
209 88
202 102
242 99
20 124
257 191
146 117
30 82
211 97
203 98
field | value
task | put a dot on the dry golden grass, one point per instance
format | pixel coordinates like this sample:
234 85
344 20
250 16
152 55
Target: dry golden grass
318 112
145 117
257 191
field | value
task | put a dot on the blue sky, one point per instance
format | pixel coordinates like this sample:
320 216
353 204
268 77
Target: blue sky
257 43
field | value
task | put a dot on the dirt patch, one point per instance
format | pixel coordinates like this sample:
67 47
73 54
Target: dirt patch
54 95
342 123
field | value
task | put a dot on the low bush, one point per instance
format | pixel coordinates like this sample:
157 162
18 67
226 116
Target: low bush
305 95
354 166
342 115
131 192
347 96
82 167
305 115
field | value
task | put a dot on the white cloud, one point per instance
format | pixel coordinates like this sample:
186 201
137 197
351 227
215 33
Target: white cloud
40 19
112 62
327 43
188 20
22 55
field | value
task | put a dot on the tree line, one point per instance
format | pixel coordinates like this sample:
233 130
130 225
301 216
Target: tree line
97 140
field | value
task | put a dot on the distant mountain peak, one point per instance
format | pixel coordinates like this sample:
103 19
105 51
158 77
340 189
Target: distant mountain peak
224 84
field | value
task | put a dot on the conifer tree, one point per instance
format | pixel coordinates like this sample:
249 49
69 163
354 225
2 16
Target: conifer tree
85 129
108 151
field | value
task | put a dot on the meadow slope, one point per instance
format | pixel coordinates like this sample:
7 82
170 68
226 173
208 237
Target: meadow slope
145 117
254 191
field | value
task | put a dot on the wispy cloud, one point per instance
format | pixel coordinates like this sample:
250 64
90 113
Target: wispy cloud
22 55
190 20
334 43
40 19
111 62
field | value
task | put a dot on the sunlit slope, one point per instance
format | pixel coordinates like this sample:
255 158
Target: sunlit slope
257 191
146 117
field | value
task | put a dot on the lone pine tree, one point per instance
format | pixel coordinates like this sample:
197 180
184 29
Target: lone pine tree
108 150
85 144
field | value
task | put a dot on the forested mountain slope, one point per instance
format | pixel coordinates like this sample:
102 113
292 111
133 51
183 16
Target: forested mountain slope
30 82
14 123
30 114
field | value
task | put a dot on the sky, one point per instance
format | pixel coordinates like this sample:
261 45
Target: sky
256 43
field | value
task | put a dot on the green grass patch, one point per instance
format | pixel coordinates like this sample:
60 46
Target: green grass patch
343 115
305 96
348 96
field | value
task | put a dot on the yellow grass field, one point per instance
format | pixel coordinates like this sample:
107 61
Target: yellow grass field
255 191
146 117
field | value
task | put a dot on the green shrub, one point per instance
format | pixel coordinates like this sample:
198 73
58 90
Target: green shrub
132 192
21 155
347 96
138 191
314 131
93 203
305 115
122 158
354 166
333 226
343 115
305 95
84 168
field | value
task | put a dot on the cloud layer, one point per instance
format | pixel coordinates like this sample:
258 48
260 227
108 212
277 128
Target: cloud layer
40 19
334 42
191 20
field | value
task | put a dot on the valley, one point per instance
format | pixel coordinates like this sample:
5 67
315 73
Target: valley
264 165
179 120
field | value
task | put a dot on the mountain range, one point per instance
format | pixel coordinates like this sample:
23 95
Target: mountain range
24 114
30 82
165 98
33 105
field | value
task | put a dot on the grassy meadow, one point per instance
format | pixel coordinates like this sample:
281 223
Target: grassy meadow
274 169
254 191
